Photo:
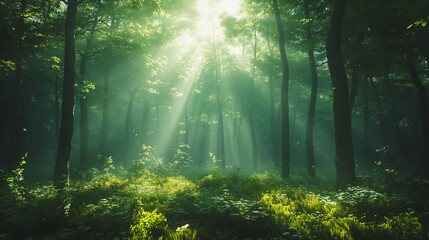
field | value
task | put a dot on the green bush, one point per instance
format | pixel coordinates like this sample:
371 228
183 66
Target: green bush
148 225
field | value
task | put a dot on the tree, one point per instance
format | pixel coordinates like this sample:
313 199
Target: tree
285 172
424 112
314 82
252 106
344 160
61 173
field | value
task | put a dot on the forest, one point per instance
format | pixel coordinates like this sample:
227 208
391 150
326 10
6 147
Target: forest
214 119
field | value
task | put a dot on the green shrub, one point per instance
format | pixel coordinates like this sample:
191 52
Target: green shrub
367 203
148 225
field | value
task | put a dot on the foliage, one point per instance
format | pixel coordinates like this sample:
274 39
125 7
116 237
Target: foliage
149 159
366 203
15 181
318 217
145 205
147 225
181 159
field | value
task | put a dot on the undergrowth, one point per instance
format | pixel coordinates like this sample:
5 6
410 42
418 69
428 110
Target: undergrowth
144 204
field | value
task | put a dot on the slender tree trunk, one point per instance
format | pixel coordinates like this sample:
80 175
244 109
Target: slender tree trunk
236 137
366 120
84 130
199 141
424 111
380 113
61 173
14 121
273 128
313 96
396 118
344 160
145 118
251 109
285 172
157 113
353 87
187 124
355 76
221 134
57 107
105 117
15 109
128 123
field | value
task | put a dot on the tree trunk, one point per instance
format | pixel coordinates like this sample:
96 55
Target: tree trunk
187 124
236 140
105 118
353 87
157 113
61 173
366 144
273 128
145 118
57 108
355 76
15 115
380 113
84 130
285 172
395 118
424 111
128 123
221 134
15 110
313 96
342 118
251 109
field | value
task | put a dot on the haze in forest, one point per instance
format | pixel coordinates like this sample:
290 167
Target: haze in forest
214 119
250 86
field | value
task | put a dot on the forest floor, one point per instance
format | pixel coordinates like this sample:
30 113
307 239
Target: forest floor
144 204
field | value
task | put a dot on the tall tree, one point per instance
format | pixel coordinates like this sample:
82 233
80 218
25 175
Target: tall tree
285 172
217 73
84 129
86 54
252 106
61 173
105 117
344 160
15 111
273 126
424 112
128 125
312 106
379 112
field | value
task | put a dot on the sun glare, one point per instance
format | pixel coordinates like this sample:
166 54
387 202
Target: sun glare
210 12
190 44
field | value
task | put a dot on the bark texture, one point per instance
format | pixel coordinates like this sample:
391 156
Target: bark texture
84 129
252 109
61 173
285 172
344 160
424 111
105 118
313 96
128 125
